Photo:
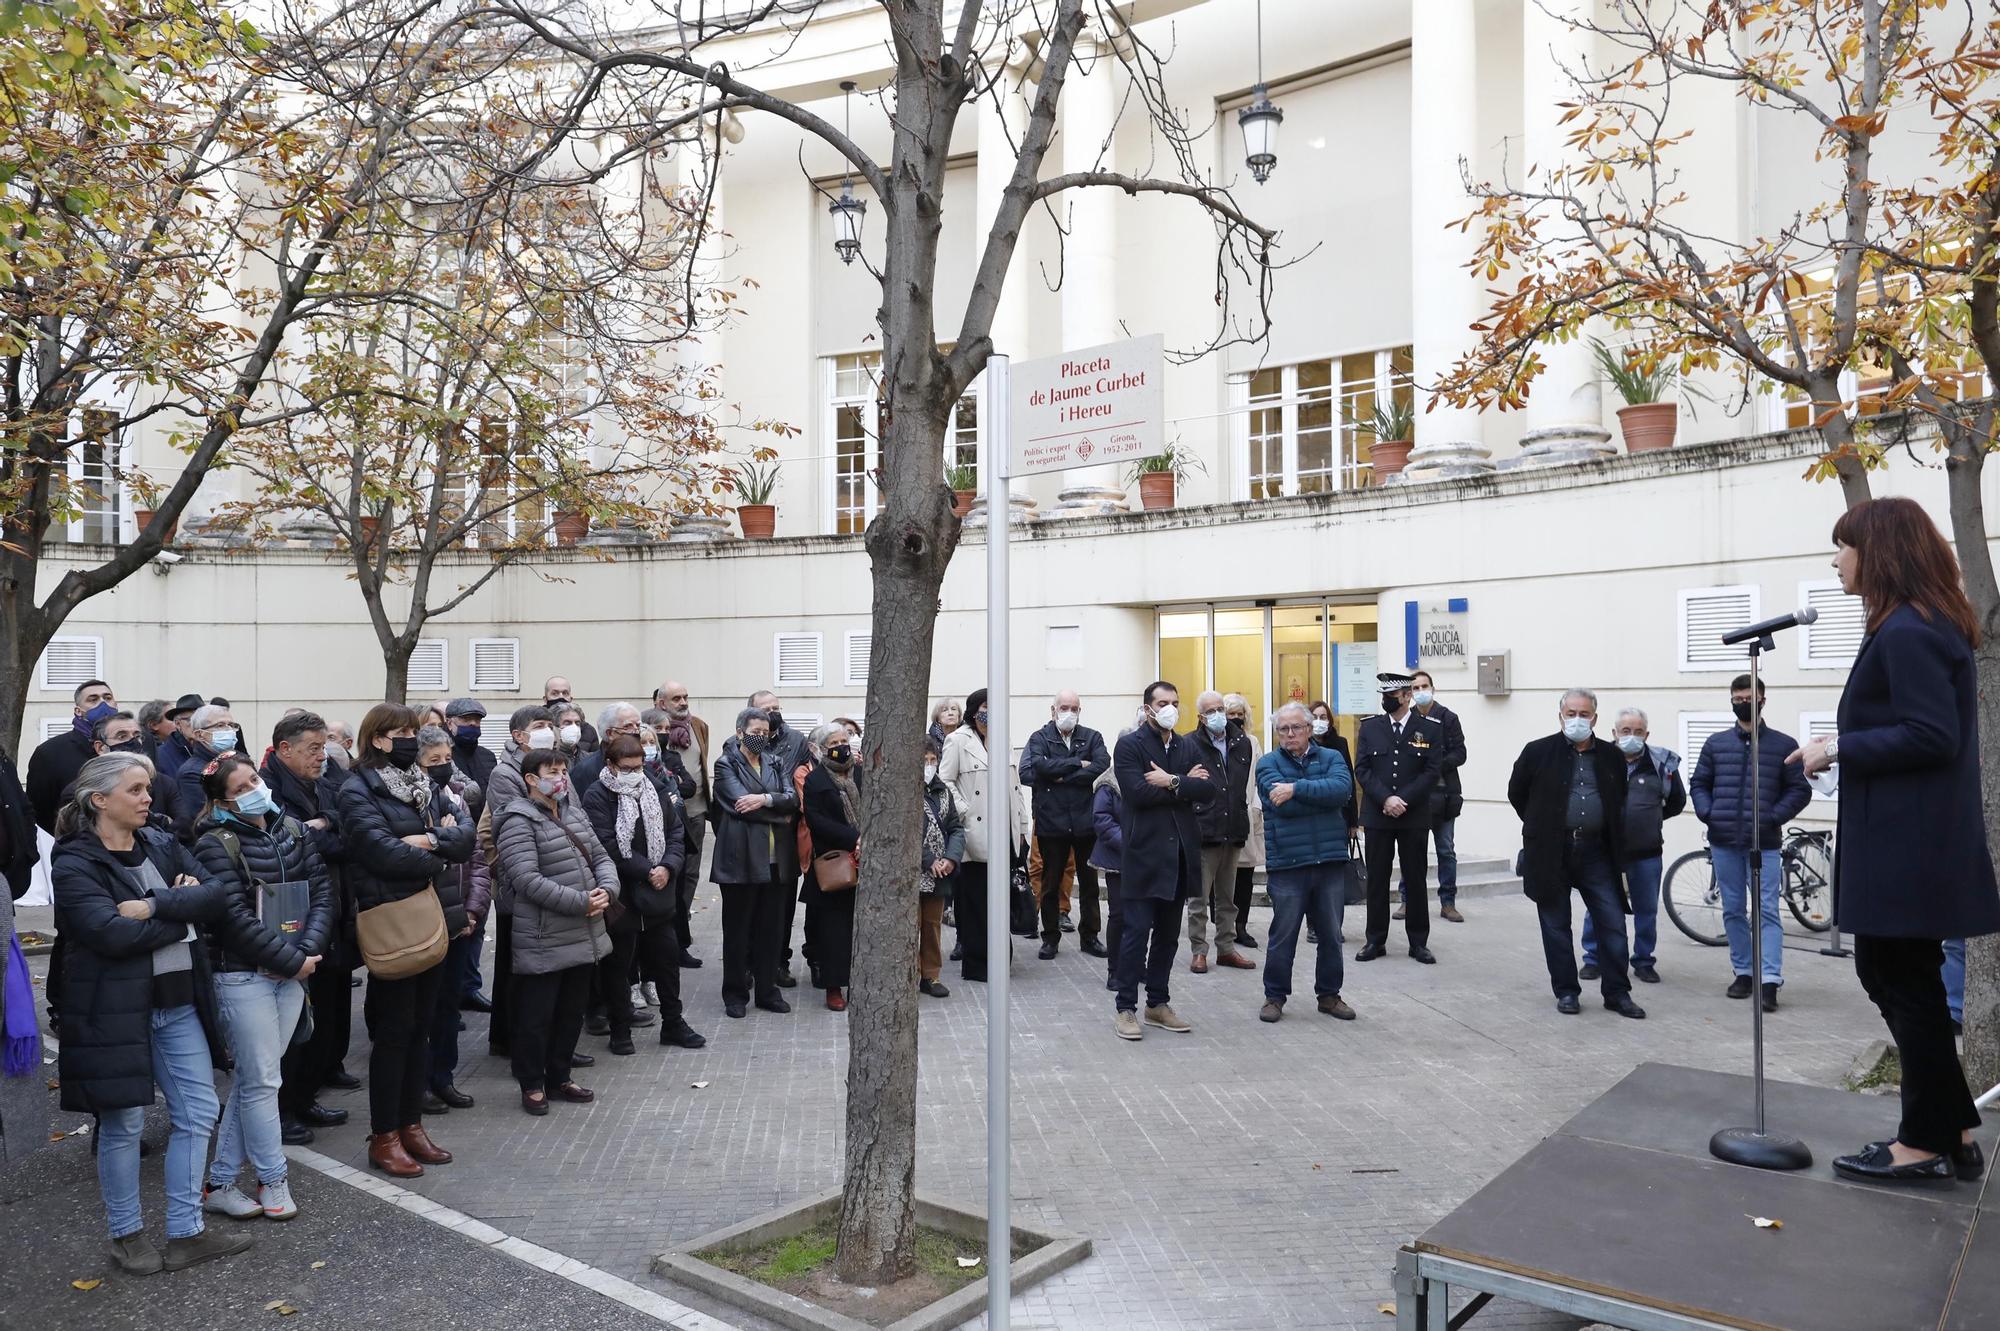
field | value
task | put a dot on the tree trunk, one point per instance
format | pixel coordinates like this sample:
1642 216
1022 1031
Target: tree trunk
22 641
396 670
909 545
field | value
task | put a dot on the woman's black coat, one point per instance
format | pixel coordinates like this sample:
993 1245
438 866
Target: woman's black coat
107 1002
238 939
1910 855
380 867
636 890
826 817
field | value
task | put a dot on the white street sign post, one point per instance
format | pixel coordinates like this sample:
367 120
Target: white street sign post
1083 408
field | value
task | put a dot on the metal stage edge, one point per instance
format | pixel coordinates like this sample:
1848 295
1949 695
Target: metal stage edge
1425 1281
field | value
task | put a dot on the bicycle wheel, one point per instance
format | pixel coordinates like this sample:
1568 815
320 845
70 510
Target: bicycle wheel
1693 900
1809 882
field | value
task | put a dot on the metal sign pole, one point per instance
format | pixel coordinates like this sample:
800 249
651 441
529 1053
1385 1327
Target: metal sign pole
1000 840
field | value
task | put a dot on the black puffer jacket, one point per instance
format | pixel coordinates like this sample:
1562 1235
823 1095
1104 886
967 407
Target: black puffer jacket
107 1007
238 939
317 801
381 867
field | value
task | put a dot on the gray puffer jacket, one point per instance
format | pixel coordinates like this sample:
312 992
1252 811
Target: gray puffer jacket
551 867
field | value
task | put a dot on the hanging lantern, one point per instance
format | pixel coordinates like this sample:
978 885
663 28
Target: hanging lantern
1259 122
847 212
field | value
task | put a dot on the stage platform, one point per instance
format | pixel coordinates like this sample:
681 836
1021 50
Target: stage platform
1622 1216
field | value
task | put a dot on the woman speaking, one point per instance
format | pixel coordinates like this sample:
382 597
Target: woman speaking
1911 867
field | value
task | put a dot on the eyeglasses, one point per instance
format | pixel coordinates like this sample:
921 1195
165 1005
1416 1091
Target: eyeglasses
1293 729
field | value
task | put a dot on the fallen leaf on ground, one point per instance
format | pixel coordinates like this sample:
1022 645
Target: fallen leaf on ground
965 1262
280 1307
699 1085
318 1266
85 1285
1763 1222
1315 1166
1386 1309
54 1084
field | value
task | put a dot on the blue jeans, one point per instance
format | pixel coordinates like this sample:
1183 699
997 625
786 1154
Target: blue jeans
1642 884
259 1015
182 1068
1317 892
1595 879
1445 832
1953 973
1732 875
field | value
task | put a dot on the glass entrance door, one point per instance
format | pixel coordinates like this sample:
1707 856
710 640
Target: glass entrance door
1300 651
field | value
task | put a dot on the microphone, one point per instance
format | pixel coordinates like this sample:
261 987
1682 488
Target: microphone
1803 615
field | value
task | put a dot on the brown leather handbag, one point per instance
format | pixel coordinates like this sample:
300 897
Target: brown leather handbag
402 938
837 870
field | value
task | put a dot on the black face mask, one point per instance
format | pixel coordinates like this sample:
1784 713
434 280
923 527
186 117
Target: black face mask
439 772
1391 703
129 746
403 752
839 757
777 719
1742 710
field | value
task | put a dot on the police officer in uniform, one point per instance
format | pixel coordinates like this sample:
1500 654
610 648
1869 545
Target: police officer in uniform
1398 762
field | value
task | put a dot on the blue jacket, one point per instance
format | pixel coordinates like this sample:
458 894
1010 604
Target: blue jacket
1311 826
1721 787
1108 853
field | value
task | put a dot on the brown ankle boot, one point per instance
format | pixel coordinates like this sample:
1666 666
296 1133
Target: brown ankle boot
419 1144
386 1153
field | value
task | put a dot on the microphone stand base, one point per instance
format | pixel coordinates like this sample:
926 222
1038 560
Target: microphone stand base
1759 1150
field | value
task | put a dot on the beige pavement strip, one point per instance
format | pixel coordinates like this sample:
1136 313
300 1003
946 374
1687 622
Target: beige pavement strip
678 1316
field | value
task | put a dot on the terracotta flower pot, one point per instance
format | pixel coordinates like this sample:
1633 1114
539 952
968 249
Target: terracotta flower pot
1156 489
961 501
758 520
1390 456
144 518
571 527
371 528
1649 425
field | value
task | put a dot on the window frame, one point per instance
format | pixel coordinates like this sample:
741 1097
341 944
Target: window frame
780 681
957 439
1349 471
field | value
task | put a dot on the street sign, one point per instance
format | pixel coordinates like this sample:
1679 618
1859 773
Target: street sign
1089 407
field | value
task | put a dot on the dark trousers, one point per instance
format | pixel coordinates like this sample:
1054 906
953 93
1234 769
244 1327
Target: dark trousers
1385 846
782 926
1056 851
1149 933
830 934
501 1024
658 956
548 1018
1902 978
684 886
458 960
1595 879
54 987
968 903
1246 885
755 919
611 982
399 1022
305 1067
1114 921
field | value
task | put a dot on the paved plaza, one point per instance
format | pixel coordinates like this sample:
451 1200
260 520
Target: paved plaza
1244 1175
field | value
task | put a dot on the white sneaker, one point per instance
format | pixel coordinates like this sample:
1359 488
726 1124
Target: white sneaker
652 993
277 1200
639 996
230 1201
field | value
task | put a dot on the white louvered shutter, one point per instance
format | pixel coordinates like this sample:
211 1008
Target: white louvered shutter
1834 640
55 725
803 723
797 660
496 665
69 660
1696 727
858 645
1819 725
493 733
429 666
1706 613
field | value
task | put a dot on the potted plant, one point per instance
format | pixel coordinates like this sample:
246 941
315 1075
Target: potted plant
572 525
1393 428
963 478
143 518
755 483
1650 417
1158 475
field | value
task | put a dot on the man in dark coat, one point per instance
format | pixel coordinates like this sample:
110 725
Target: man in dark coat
1569 789
1721 791
174 752
1654 792
1227 753
1160 780
1061 763
465 718
1447 798
1398 761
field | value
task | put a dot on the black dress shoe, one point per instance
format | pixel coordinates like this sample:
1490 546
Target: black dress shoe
294 1133
454 1097
774 1003
1738 987
340 1079
1245 940
582 1060
1048 952
1093 947
622 1045
1770 997
1568 1006
1646 974
682 1036
737 1010
641 1019
1418 952
1371 951
787 980
1969 1160
1588 971
1111 983
690 962
957 952
433 1105
596 1023
1625 1007
1875 1163
475 1002
319 1116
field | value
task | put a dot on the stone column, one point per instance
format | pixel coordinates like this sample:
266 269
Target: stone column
1446 300
1565 414
1090 251
999 139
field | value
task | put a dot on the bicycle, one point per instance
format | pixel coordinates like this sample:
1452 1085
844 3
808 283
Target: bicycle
1805 858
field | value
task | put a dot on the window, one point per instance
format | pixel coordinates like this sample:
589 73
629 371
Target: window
858 645
856 408
1696 727
507 466
1302 431
428 666
797 659
494 734
68 661
1834 640
496 665
1819 725
1864 385
93 470
55 725
1706 614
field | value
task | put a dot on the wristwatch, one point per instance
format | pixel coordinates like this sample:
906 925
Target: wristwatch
1176 786
434 839
1833 749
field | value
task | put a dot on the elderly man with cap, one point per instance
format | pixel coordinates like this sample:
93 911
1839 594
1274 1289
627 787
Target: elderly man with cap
1398 761
175 751
464 718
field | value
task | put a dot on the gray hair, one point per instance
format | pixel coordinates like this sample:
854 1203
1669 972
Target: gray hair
822 732
654 718
1305 712
153 713
1205 695
1639 712
749 714
206 716
1235 700
609 716
429 736
1578 692
100 776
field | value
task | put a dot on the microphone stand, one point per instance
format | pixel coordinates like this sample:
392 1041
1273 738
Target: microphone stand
1756 1146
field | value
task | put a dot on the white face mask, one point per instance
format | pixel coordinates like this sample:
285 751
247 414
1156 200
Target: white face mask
222 741
930 773
651 753
1167 717
1065 721
572 733
1422 698
1217 722
1319 725
1631 744
1576 729
541 737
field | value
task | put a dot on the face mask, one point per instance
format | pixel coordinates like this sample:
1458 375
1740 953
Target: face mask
1630 745
129 746
1576 729
1423 698
1391 703
468 734
1319 726
88 721
839 756
980 718
541 737
930 773
439 772
1742 710
553 787
571 734
222 741
255 802
403 752
1167 717
652 753
777 720
1217 722
628 783
756 743
1238 721
1065 721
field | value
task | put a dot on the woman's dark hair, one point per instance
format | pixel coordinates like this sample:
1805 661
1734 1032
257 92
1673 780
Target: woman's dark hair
1904 560
215 782
1332 722
932 748
973 702
620 747
536 760
383 718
